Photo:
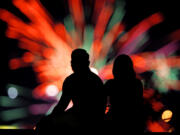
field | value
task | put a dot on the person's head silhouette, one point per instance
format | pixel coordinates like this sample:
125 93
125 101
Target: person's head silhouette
79 60
123 67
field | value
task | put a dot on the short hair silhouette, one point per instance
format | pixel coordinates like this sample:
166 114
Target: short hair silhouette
80 54
85 90
79 60
123 66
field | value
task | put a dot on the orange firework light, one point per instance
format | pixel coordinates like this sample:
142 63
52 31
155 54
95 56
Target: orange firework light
49 52
158 126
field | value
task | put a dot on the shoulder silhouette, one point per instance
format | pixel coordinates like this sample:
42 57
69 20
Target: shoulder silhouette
85 90
125 92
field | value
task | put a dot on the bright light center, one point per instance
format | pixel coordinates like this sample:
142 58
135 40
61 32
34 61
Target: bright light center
167 115
52 90
94 70
12 92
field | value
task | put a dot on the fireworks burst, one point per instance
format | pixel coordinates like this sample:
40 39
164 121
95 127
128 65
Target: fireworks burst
49 45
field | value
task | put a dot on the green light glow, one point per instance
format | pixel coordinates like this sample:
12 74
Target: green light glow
7 102
69 25
52 107
13 114
88 38
163 83
160 83
174 74
117 15
100 63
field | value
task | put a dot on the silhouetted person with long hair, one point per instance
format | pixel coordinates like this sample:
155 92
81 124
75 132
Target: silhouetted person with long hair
125 93
85 89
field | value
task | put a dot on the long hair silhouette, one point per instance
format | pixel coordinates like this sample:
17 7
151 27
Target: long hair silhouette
123 67
125 96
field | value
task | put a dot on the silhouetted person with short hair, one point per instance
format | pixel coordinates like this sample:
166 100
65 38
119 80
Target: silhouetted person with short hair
126 98
85 89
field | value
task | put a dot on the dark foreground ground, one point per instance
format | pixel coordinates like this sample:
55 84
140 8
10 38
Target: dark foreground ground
32 132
